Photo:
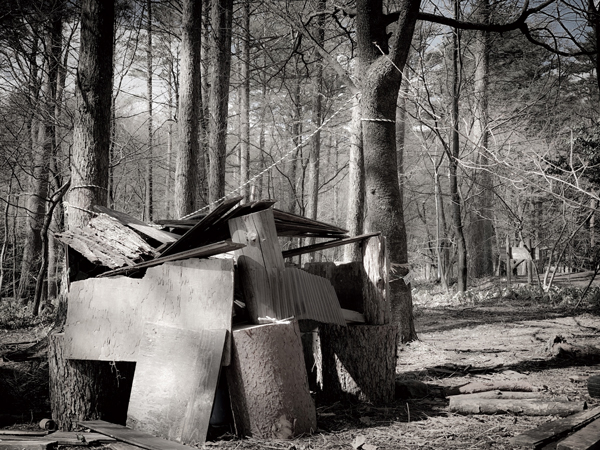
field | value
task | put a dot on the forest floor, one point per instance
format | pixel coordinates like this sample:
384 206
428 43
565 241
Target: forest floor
489 333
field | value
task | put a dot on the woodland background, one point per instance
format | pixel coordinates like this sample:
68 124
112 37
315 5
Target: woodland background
497 133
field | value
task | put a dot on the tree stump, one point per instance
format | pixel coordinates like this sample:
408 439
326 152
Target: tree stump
86 390
267 382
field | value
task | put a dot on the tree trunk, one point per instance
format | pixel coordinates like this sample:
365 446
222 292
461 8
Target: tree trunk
186 171
78 388
380 82
148 198
317 119
454 157
481 229
91 133
245 101
222 14
356 185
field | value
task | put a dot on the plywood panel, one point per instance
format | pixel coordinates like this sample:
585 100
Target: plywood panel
106 317
175 382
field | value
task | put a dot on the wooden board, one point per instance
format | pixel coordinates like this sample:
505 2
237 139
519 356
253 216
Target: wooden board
195 236
74 438
143 228
106 316
326 245
267 382
552 431
175 382
26 444
139 438
260 264
213 249
588 438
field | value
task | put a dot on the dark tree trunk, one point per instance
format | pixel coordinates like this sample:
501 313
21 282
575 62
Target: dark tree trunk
222 15
380 82
454 156
75 397
186 171
245 101
481 228
148 200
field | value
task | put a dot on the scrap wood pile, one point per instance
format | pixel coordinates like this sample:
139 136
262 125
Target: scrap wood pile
209 301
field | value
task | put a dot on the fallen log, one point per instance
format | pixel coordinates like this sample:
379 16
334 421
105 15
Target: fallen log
527 407
484 386
498 395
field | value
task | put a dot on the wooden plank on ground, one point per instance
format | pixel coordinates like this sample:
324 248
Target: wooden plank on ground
106 316
201 252
552 431
74 438
138 438
175 382
26 444
326 245
194 237
588 438
161 236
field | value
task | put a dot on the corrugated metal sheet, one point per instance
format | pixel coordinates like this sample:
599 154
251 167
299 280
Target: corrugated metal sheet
308 296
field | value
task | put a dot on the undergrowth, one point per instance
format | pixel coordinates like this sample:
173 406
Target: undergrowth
14 316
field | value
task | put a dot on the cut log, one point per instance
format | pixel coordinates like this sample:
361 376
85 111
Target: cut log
555 430
500 395
572 351
484 386
267 382
528 407
358 361
175 382
588 438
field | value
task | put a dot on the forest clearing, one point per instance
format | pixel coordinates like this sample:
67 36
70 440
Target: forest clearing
497 338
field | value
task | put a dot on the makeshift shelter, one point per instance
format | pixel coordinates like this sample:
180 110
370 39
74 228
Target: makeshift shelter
212 295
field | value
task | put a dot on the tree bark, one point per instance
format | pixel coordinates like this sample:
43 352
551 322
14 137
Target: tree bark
91 132
481 229
186 169
454 158
148 198
222 15
380 82
245 101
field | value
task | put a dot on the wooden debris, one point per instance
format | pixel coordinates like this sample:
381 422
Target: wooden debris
353 316
326 245
106 316
289 224
22 433
26 444
529 407
260 265
588 438
138 438
200 234
78 438
557 429
346 279
267 381
201 252
143 228
499 395
175 382
106 242
483 386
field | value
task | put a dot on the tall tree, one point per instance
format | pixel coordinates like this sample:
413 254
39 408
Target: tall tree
222 15
93 92
148 201
186 170
245 99
481 228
